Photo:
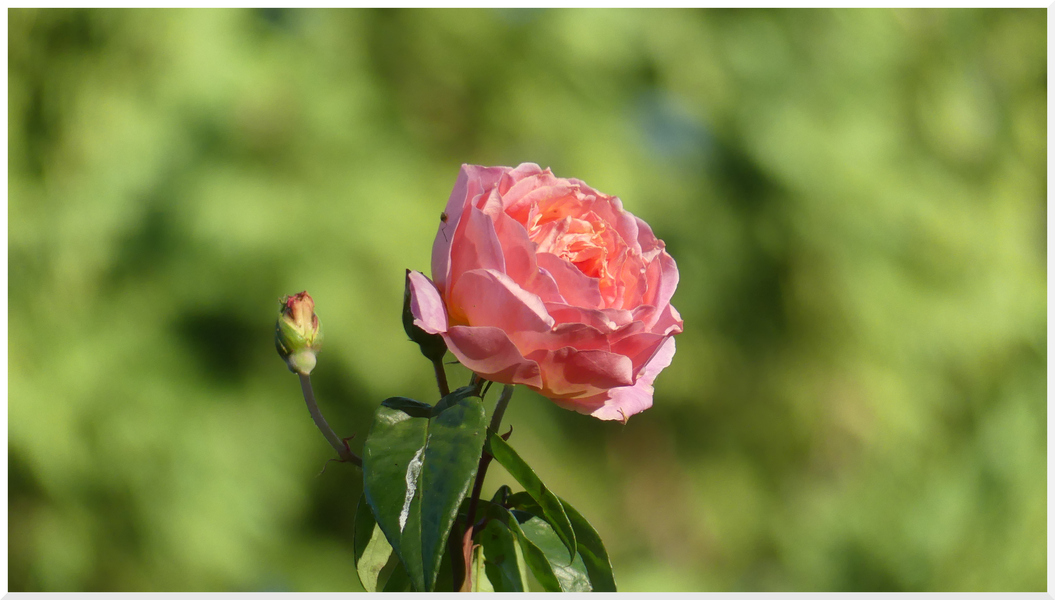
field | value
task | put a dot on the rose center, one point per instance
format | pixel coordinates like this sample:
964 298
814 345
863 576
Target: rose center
581 242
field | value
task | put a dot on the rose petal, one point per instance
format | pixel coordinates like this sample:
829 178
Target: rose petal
574 335
475 246
669 322
568 372
639 348
577 288
426 304
492 299
607 319
623 402
522 172
662 280
610 208
472 181
519 254
648 242
489 352
537 192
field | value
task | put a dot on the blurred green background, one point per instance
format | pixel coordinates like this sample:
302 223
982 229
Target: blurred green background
855 200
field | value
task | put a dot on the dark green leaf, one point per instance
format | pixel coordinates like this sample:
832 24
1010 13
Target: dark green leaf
573 577
502 495
534 557
416 470
370 547
503 560
409 406
452 398
398 581
552 509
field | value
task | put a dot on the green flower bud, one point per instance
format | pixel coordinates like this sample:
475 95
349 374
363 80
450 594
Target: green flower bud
431 344
297 333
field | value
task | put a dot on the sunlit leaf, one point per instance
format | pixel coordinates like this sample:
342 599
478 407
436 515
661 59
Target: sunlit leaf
590 547
370 547
417 470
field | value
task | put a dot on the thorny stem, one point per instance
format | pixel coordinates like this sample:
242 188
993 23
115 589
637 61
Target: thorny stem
481 472
340 446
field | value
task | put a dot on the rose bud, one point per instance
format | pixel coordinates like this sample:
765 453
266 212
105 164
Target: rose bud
297 333
547 282
431 344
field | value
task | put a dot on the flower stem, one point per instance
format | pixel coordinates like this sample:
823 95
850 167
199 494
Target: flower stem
441 377
339 445
481 472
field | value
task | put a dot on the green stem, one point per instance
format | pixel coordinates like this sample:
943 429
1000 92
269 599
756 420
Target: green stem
342 449
441 378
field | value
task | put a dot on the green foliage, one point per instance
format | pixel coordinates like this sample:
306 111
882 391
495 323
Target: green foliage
502 564
372 550
550 505
418 465
856 201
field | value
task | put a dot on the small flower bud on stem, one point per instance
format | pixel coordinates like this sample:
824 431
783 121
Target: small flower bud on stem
298 337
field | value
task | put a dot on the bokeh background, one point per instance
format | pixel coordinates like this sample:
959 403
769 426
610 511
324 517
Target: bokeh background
855 199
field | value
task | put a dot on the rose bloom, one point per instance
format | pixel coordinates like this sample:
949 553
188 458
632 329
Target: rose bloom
546 282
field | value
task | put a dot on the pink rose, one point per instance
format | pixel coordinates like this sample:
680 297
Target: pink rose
546 282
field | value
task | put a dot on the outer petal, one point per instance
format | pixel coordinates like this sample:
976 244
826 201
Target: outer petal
475 246
426 304
639 348
662 277
472 181
489 352
622 402
669 322
491 299
568 372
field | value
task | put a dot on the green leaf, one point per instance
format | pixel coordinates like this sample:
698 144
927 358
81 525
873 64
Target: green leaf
552 509
534 557
502 495
503 561
370 547
480 581
573 577
591 548
416 470
398 581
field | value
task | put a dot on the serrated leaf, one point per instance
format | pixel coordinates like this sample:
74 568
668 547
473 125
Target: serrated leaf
552 509
369 546
418 464
503 563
